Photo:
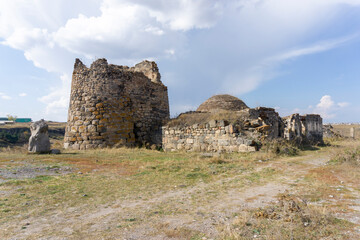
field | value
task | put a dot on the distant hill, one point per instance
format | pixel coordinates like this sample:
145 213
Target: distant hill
19 133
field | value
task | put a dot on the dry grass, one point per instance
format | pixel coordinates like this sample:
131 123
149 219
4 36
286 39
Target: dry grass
107 175
344 130
144 189
288 218
188 119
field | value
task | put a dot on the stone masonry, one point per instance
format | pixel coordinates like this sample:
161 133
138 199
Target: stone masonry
116 105
308 127
225 123
209 137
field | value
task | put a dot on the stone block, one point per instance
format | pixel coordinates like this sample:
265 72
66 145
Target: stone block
212 123
221 123
223 142
248 142
75 146
103 121
180 146
231 129
79 123
243 148
82 129
99 105
96 137
251 149
74 129
91 128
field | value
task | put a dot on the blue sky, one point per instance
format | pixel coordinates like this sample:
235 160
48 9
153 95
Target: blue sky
295 56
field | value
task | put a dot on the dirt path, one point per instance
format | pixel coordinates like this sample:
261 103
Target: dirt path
204 208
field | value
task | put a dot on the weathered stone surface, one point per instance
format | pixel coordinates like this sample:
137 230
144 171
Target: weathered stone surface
114 105
352 132
39 140
312 128
222 103
245 132
307 128
293 128
209 138
149 69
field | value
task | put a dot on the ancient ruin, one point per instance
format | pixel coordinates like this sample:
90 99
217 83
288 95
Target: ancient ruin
114 105
225 123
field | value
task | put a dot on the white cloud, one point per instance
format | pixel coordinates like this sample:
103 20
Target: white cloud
57 101
343 104
238 42
5 96
327 108
316 48
325 103
22 94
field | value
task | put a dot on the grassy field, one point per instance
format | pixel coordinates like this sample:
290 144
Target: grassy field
143 194
344 130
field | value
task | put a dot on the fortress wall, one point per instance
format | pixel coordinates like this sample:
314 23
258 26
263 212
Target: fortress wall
210 137
114 105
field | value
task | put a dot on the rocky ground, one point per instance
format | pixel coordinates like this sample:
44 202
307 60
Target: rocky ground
114 195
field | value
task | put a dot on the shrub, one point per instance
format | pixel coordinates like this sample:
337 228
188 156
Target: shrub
281 147
349 156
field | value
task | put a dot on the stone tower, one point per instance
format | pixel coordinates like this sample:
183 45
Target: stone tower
115 105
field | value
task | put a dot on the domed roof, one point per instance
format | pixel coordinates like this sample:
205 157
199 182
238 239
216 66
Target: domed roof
223 102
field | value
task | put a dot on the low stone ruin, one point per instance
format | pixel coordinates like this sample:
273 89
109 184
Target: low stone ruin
225 123
39 140
308 127
328 132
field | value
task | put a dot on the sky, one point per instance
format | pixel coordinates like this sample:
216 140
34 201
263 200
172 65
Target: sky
294 56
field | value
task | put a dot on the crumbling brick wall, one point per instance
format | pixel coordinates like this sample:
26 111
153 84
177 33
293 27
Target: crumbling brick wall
115 105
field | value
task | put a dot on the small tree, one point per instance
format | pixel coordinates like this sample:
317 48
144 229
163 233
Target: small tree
11 118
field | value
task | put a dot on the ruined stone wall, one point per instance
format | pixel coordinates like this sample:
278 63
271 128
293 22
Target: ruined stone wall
293 127
115 105
306 128
270 122
254 125
312 128
209 137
